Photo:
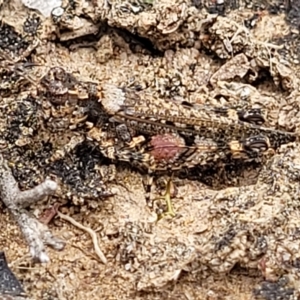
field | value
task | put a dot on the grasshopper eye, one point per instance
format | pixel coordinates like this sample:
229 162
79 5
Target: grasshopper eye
257 143
253 116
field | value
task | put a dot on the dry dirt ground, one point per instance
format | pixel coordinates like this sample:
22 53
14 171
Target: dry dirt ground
146 259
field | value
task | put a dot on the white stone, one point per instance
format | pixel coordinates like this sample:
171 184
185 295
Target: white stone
45 7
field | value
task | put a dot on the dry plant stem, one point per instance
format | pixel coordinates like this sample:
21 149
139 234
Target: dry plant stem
91 232
36 234
170 209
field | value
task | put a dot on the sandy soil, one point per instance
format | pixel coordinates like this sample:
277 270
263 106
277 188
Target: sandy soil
121 221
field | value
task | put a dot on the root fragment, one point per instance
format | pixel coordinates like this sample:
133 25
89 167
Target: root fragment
91 232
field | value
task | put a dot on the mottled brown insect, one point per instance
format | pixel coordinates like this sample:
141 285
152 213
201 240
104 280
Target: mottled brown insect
181 135
158 134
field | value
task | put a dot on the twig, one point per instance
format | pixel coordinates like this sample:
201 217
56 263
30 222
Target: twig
35 233
91 232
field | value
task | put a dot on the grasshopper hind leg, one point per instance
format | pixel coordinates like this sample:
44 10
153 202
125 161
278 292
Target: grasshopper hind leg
162 210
